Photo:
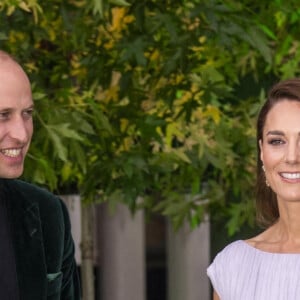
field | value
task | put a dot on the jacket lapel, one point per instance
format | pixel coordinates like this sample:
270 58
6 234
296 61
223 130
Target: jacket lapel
29 249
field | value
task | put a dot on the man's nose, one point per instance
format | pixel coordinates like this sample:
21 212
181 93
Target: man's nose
19 129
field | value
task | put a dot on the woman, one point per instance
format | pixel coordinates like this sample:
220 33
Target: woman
267 266
36 250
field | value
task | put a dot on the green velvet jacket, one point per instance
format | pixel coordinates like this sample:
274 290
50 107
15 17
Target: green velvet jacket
42 241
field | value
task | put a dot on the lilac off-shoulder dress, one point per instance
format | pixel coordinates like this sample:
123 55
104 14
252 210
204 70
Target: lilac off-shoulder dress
242 272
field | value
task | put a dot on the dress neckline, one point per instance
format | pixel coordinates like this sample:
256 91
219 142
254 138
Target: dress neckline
267 252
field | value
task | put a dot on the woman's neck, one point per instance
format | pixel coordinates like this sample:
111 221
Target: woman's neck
287 228
284 235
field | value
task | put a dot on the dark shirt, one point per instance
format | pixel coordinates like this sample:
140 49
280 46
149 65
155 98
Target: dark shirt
8 276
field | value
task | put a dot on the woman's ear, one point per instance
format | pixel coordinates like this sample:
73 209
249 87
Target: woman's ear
261 152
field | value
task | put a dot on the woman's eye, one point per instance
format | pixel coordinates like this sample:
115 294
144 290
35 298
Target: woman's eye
275 142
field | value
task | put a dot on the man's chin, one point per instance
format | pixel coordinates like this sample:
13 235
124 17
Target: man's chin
11 174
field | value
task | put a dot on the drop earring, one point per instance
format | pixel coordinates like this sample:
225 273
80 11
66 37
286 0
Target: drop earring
267 183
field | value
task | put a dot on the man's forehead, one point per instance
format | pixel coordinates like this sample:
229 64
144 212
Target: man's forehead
9 65
8 61
5 56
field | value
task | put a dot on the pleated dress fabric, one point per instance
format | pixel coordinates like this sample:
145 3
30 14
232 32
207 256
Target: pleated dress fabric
242 272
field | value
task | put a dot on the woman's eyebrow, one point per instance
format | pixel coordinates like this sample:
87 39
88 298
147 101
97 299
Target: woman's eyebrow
275 132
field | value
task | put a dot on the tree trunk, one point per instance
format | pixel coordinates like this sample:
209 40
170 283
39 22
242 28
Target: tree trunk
87 266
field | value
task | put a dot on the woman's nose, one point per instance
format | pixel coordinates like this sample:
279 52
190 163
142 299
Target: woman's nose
292 153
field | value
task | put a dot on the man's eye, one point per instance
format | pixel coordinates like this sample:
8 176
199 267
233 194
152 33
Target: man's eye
275 142
28 113
4 115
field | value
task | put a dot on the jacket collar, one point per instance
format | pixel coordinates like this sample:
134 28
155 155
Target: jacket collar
28 245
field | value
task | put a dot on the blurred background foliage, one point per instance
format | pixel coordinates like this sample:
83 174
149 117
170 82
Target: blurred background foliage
151 103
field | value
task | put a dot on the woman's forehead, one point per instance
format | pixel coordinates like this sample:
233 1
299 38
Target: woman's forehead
284 114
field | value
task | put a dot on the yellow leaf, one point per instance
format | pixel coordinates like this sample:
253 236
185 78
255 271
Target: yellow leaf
154 55
213 112
198 114
31 66
171 132
202 39
100 94
129 19
10 10
179 78
186 96
109 45
78 3
126 145
197 48
118 14
112 93
124 124
146 105
24 6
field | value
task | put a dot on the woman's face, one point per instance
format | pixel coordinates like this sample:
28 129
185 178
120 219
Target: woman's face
280 149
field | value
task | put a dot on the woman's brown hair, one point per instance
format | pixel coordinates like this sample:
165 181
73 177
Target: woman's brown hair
266 200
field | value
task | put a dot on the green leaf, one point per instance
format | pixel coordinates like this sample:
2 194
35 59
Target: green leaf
98 7
259 41
58 144
134 51
64 131
3 36
99 119
267 31
181 155
128 169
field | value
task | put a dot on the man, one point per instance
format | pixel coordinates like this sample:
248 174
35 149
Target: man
36 247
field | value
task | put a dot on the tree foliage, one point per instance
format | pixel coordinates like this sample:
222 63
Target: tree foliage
151 103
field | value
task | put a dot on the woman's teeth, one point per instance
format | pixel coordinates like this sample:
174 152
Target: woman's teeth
291 175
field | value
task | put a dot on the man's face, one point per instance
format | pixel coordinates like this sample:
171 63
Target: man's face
16 127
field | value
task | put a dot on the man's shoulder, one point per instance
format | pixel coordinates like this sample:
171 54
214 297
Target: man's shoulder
31 193
21 186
